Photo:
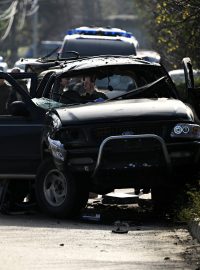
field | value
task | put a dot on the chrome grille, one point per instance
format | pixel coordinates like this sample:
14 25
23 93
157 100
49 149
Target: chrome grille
100 133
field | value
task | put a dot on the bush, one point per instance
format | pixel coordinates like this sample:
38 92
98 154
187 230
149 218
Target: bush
191 209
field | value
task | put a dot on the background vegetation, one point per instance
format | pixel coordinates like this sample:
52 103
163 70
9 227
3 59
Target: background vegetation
191 209
170 27
173 28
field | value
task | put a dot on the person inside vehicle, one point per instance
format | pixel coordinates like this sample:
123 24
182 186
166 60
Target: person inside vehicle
66 92
82 91
91 92
64 84
78 85
5 91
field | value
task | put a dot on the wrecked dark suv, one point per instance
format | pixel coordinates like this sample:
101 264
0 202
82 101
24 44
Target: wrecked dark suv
142 136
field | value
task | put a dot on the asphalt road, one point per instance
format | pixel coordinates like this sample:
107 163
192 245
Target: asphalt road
34 241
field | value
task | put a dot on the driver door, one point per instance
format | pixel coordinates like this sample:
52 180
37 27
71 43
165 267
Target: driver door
192 84
20 135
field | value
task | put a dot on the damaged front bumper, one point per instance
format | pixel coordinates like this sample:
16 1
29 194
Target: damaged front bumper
57 149
127 160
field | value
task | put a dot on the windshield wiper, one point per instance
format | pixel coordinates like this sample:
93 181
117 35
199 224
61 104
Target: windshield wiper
49 54
139 90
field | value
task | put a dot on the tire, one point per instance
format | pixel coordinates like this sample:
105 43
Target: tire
170 199
163 199
58 193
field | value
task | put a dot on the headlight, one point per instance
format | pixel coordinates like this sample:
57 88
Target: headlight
184 130
57 149
75 136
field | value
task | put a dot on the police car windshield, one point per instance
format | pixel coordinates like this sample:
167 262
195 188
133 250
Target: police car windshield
94 47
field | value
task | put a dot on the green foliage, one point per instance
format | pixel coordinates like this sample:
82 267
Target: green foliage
175 29
191 210
172 26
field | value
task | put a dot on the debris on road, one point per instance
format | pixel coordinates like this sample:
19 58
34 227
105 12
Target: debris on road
120 198
120 227
91 217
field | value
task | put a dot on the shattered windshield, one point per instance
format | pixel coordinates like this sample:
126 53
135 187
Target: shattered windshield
151 90
107 83
47 104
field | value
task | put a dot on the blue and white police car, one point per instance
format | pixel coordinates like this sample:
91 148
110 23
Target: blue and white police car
93 41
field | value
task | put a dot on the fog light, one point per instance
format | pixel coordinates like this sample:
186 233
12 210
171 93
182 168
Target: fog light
81 161
180 154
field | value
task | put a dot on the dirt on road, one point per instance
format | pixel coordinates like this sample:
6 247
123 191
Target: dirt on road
35 241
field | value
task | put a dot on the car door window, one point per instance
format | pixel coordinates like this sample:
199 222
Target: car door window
28 81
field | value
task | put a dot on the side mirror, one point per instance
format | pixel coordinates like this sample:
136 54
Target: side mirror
189 77
18 108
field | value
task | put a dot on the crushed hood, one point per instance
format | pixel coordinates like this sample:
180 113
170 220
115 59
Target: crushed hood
132 109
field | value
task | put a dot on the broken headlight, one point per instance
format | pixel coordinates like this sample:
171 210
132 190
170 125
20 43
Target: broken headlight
57 149
56 121
184 130
74 136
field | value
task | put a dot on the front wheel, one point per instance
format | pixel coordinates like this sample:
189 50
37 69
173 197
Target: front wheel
58 193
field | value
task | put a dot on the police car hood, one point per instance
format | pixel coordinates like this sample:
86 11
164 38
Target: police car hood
132 109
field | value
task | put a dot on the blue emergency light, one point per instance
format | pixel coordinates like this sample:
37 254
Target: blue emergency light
100 32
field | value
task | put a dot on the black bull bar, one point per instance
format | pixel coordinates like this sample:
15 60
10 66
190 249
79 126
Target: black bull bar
132 137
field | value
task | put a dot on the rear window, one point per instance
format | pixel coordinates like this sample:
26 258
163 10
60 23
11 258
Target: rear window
93 47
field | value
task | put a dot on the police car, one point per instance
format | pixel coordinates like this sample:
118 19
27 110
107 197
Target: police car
93 41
